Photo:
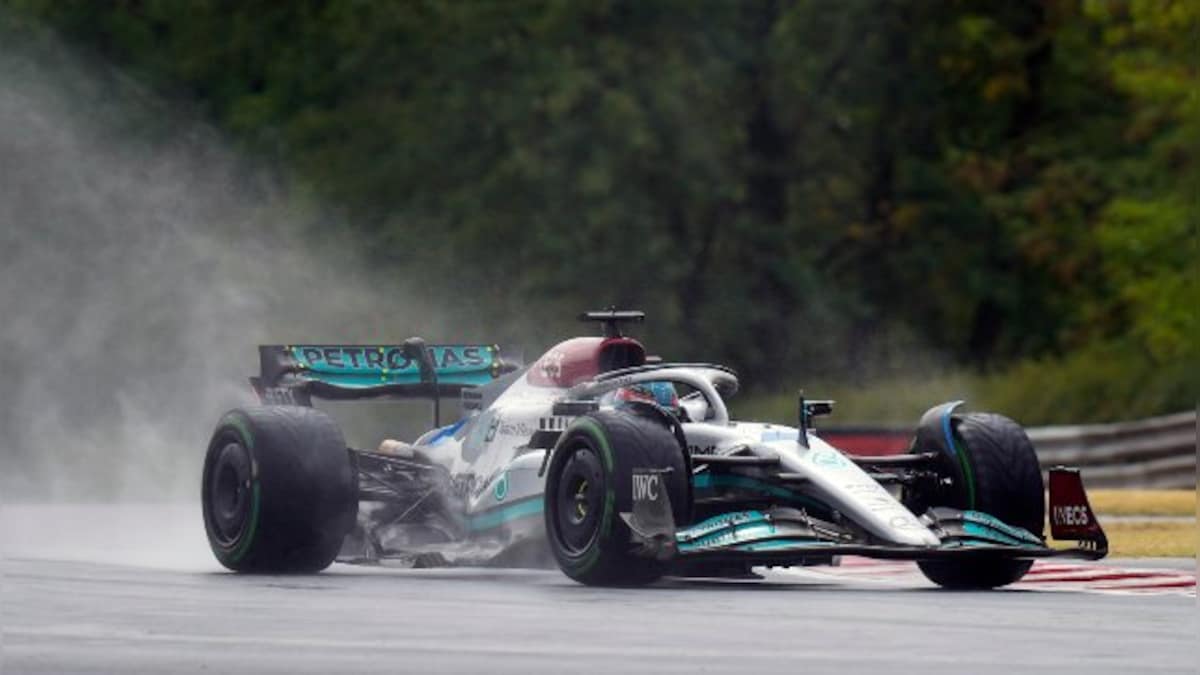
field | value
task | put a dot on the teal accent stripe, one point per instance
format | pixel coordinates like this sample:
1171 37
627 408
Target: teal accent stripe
987 533
777 544
729 536
718 523
706 481
1002 527
498 516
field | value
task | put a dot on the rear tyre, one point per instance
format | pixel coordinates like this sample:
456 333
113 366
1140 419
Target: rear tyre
279 492
590 482
996 471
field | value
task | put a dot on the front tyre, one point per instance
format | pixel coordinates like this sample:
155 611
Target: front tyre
279 492
995 470
590 482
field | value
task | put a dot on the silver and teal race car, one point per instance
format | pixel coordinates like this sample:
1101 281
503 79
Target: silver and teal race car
617 467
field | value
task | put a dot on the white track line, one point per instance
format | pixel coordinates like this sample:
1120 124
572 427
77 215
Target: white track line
1044 576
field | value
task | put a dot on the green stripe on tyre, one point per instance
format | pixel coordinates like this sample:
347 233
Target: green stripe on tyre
238 423
606 453
601 440
243 546
610 497
252 528
968 475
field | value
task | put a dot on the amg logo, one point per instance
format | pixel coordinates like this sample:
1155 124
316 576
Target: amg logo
1070 515
645 487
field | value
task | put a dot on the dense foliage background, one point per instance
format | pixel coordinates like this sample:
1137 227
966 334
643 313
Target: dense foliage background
879 196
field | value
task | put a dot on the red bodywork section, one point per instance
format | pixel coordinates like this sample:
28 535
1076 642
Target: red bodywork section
1071 517
580 359
866 442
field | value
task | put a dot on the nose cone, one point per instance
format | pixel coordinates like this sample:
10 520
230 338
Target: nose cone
858 496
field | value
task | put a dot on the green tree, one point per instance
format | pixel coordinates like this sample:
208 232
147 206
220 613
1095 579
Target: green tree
798 187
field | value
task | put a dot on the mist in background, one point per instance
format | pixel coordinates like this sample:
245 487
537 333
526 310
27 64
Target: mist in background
887 204
141 262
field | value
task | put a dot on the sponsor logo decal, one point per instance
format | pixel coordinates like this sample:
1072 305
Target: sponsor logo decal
498 426
1071 514
702 449
278 396
646 487
516 429
390 358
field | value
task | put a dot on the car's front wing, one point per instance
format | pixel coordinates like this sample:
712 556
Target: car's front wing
784 535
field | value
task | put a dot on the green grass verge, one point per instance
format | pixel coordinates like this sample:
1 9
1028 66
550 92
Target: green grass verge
1134 538
1149 539
1143 502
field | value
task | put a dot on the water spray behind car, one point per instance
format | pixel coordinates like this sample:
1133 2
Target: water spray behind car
139 255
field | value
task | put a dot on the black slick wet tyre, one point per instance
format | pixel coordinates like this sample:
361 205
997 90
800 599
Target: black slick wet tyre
279 492
589 482
999 473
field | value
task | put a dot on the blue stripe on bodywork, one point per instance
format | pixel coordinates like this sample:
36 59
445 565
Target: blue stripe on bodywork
446 432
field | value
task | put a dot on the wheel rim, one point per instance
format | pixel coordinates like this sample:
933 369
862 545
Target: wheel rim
579 501
228 506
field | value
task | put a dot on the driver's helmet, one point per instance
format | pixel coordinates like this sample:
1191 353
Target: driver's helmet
660 393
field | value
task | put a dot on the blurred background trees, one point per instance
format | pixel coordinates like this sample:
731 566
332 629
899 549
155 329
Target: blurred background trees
873 194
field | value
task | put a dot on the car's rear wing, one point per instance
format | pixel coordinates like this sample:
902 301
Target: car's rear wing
295 374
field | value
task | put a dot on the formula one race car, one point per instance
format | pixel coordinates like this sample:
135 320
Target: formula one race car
618 467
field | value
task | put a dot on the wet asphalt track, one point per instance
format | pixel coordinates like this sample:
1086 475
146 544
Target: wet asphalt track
127 601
